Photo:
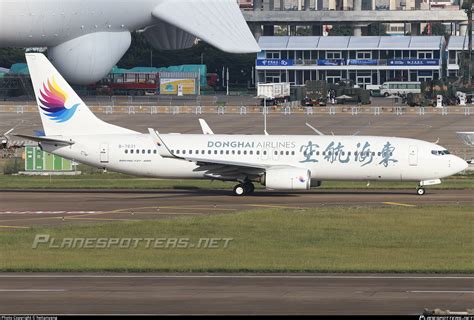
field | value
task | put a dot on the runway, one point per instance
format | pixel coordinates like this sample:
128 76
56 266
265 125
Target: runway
208 294
23 209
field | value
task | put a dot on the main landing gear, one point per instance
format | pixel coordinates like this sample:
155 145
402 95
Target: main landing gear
243 189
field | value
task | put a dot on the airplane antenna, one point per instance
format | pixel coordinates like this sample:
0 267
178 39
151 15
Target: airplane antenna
314 129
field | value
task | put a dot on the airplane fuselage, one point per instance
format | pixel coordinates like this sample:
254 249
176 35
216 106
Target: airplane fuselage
366 158
60 21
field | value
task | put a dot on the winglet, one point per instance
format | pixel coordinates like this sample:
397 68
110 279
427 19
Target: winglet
205 127
160 145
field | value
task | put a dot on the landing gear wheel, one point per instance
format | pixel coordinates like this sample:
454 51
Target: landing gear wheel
250 187
420 191
240 190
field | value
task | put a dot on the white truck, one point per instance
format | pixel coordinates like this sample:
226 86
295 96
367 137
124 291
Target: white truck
274 93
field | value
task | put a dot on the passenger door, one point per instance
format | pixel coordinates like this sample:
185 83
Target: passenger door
104 153
413 156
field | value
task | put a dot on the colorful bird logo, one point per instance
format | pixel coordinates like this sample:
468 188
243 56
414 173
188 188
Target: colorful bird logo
302 179
53 100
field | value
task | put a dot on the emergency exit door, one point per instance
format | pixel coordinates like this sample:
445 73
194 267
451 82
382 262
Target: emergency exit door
104 153
413 156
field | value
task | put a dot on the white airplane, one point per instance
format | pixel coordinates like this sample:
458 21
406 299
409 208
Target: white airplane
279 162
86 38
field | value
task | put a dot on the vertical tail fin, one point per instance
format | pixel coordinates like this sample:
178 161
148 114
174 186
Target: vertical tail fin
62 112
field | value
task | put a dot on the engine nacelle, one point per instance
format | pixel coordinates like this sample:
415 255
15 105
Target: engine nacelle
89 58
287 179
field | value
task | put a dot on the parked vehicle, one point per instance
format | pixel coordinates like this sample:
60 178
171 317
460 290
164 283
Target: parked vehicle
394 88
274 93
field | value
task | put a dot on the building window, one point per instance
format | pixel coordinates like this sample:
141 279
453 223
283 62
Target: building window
333 55
273 54
425 55
364 55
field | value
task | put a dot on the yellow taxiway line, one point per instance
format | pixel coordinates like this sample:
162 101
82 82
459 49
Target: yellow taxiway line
399 204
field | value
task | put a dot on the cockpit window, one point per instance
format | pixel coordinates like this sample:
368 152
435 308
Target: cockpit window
440 152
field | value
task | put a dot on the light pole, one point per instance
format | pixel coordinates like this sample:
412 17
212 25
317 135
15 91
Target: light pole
227 81
467 6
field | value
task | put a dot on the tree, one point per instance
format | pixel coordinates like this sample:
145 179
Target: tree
9 56
240 65
377 29
340 30
437 29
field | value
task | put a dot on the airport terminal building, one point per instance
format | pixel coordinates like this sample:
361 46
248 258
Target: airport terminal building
455 46
366 60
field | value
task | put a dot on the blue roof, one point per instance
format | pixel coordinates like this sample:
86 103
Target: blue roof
351 43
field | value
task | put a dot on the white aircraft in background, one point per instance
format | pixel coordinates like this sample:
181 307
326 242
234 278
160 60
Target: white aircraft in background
86 38
279 162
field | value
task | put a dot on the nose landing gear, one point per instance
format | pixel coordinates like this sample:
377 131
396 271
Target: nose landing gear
243 189
420 191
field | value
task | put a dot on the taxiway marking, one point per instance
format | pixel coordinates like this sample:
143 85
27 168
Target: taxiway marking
399 204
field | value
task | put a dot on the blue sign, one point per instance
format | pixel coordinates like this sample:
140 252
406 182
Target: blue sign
413 62
274 62
362 62
332 62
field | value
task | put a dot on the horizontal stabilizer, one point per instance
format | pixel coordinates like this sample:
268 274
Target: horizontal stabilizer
218 22
46 140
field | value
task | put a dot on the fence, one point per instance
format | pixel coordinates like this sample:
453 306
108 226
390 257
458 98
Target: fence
245 110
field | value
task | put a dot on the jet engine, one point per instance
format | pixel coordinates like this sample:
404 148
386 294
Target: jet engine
89 58
287 179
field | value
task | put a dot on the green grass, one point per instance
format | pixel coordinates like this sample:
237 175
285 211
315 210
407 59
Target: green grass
120 181
326 239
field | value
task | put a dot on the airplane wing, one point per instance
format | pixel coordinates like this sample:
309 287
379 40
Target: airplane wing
218 22
214 168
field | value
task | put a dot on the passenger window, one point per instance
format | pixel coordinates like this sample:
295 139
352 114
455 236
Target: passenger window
251 152
288 153
222 151
149 151
293 153
154 151
143 151
184 151
190 151
126 151
131 151
227 152
245 152
238 151
258 153
215 151
209 152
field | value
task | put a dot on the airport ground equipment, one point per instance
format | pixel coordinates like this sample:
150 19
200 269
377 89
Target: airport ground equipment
274 93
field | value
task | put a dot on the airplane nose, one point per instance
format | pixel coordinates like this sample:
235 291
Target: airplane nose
459 164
